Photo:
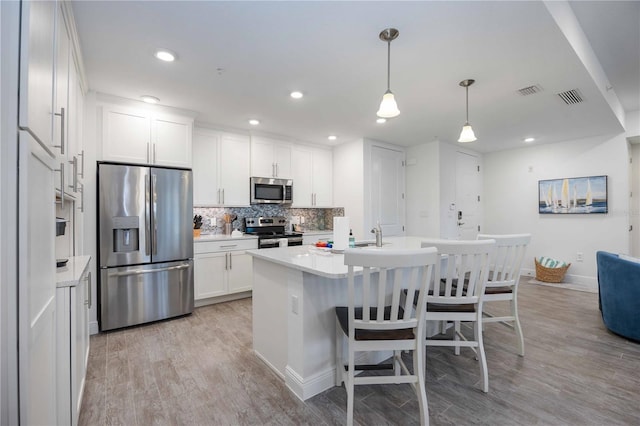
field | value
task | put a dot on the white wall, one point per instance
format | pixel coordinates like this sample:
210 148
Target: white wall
632 124
423 190
635 200
511 201
9 55
348 184
92 128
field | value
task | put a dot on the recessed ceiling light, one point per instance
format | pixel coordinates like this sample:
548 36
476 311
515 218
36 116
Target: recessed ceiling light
381 120
296 95
165 55
529 139
150 99
254 122
332 137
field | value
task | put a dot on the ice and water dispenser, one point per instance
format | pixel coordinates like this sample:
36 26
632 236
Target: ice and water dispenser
126 234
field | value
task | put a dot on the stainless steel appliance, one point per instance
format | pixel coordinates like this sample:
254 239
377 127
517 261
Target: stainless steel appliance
145 244
271 191
270 230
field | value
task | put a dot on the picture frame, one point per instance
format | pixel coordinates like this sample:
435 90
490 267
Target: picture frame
578 195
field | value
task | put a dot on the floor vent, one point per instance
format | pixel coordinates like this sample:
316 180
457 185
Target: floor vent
571 97
530 90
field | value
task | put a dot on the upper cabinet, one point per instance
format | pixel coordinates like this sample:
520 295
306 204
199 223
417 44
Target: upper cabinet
37 70
312 176
49 88
220 168
140 136
171 140
270 158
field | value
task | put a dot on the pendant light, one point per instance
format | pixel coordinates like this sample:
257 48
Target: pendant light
467 134
388 106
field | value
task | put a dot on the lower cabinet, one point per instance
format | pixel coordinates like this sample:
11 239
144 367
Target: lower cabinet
315 237
73 302
222 267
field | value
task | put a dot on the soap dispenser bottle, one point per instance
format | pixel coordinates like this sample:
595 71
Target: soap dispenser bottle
352 240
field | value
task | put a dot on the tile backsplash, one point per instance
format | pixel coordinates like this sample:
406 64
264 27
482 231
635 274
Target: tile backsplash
316 219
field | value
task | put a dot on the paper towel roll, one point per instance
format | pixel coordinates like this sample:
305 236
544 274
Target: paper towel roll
340 233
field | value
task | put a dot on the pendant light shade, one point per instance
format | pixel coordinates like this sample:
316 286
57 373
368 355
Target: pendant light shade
388 106
467 134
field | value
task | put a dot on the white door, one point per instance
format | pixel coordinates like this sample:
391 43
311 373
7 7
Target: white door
240 272
303 176
36 284
205 171
234 169
171 141
467 195
322 178
126 135
387 190
262 164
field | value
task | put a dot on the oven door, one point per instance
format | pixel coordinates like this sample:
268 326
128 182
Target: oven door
275 242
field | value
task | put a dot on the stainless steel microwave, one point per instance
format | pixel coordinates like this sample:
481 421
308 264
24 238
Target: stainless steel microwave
271 191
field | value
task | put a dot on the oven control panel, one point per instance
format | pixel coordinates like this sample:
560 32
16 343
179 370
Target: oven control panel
265 221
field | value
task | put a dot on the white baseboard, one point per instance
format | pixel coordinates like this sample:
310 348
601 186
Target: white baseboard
93 327
271 366
565 285
307 387
570 281
221 299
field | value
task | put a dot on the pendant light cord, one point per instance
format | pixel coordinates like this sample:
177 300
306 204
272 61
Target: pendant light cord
467 104
388 66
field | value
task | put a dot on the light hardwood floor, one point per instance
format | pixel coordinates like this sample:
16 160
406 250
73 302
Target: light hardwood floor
200 370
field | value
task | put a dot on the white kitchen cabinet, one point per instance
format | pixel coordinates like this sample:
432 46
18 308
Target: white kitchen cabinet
126 135
312 176
222 267
36 275
131 135
171 141
73 301
270 158
68 100
209 275
37 67
220 169
314 237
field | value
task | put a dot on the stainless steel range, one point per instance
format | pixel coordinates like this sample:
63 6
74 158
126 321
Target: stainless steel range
270 230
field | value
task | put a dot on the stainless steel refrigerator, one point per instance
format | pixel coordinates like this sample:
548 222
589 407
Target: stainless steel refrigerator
145 244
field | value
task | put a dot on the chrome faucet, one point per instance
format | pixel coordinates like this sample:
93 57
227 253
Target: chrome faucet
378 231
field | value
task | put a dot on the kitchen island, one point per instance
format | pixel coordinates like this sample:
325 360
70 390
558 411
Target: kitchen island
295 291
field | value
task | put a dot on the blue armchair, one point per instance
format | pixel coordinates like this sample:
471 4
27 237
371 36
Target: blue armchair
619 286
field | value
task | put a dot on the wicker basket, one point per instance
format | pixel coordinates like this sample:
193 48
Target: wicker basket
550 275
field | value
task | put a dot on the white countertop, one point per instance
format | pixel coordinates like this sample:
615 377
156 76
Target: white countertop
321 261
222 237
69 275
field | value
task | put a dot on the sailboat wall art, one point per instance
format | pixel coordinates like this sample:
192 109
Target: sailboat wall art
582 195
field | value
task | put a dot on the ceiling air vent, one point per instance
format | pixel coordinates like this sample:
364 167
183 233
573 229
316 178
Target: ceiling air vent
571 97
530 90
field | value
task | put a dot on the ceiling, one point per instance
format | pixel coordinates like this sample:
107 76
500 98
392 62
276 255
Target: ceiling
240 60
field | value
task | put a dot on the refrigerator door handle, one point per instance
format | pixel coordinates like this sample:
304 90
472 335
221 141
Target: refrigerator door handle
154 241
147 271
147 216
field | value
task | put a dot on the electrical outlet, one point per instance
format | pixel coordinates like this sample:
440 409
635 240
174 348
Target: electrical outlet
579 257
302 219
294 304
